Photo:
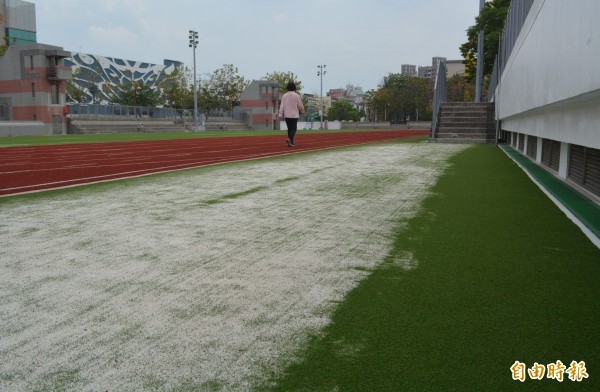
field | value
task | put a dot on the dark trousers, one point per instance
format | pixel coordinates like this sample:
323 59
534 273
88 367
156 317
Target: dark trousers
292 127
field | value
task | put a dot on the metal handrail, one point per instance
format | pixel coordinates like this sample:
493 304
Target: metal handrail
94 111
440 94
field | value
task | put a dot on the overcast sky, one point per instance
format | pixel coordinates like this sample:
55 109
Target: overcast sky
360 41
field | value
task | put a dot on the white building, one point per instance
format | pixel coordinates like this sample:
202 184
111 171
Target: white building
548 96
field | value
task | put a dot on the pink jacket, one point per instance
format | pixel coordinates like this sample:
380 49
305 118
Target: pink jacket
291 105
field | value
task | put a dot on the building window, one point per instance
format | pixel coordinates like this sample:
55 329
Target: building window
31 61
54 94
33 90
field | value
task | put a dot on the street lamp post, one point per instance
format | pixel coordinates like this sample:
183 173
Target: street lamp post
193 44
320 73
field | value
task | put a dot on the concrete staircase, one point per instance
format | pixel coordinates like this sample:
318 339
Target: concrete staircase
466 122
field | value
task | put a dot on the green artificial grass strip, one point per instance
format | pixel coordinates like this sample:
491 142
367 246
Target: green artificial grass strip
490 272
122 137
581 206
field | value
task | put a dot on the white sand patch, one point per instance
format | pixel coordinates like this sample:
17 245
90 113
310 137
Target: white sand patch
210 278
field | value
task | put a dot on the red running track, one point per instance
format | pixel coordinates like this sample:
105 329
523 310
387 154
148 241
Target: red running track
35 168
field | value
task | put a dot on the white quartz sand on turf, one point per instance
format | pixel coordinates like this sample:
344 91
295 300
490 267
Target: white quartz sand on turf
214 277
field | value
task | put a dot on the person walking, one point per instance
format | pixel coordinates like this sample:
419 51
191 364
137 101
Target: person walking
290 110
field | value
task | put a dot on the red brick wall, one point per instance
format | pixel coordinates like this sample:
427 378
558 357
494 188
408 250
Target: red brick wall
262 120
255 103
41 113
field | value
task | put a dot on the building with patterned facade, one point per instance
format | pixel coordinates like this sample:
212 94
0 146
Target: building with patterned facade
33 76
99 77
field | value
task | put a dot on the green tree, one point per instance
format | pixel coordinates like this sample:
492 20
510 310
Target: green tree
283 78
460 89
75 92
491 21
177 89
136 94
343 110
3 47
223 87
377 102
402 97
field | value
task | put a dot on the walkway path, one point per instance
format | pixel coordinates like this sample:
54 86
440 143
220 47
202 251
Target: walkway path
584 210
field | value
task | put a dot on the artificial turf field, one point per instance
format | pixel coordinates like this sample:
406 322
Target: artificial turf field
489 272
496 274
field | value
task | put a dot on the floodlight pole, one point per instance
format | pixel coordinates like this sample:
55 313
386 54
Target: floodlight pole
193 44
320 73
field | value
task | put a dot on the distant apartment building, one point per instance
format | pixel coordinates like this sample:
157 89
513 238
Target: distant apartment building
409 70
453 67
353 91
431 71
426 72
313 103
335 93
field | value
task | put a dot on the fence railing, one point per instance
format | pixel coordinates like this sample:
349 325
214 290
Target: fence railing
440 94
89 111
517 13
115 112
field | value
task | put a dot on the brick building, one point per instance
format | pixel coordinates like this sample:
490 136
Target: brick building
259 103
32 76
